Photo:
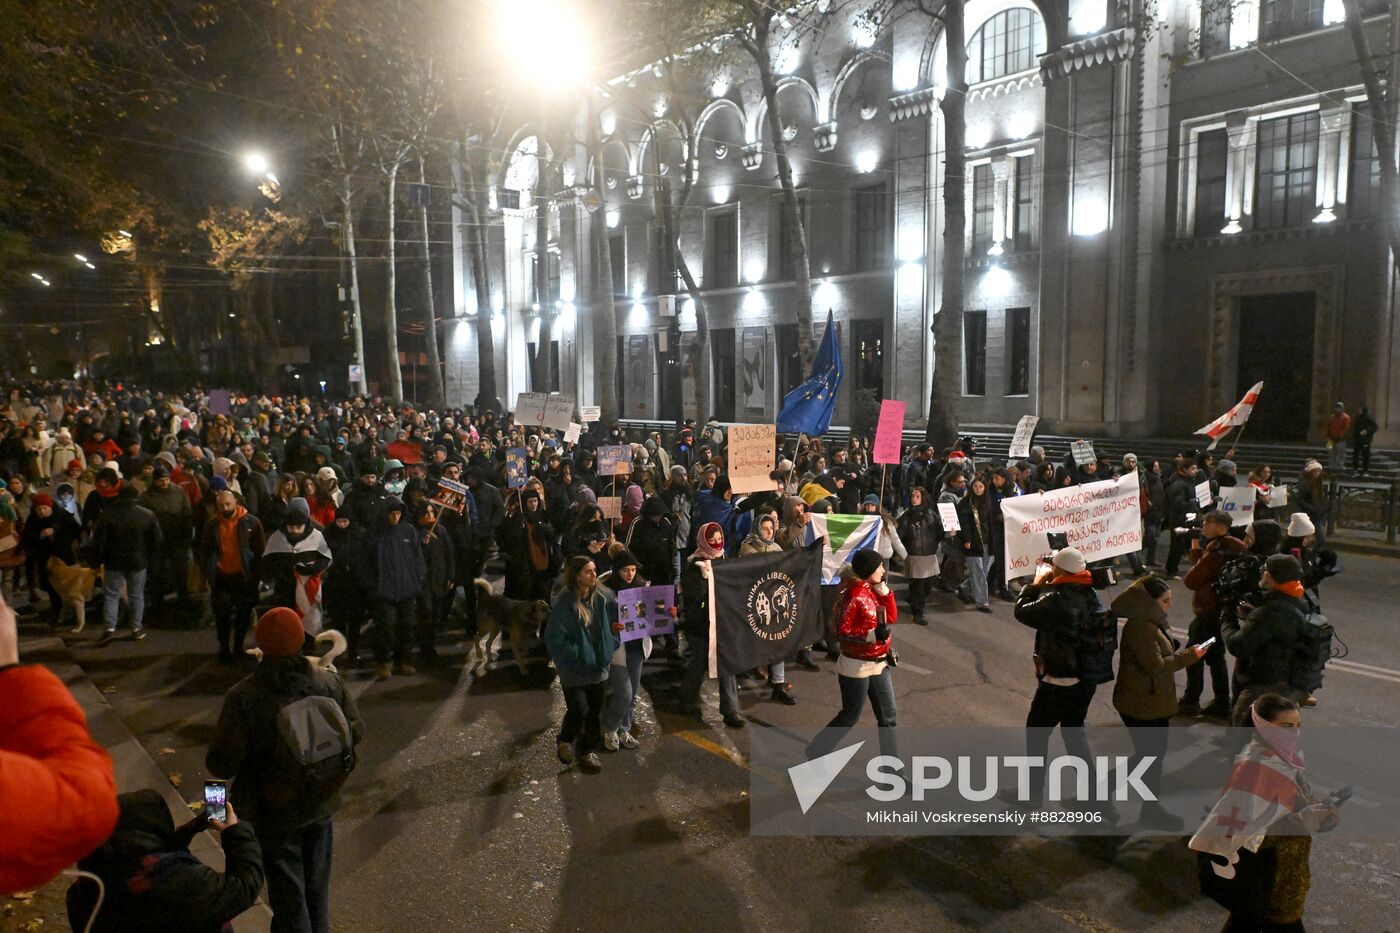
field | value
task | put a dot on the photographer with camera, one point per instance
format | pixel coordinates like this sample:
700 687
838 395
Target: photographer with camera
1182 507
1215 549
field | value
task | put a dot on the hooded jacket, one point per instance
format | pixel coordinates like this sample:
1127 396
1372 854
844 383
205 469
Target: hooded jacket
1057 610
1264 644
173 512
244 744
652 540
152 882
1201 578
581 651
1145 688
246 530
127 534
397 565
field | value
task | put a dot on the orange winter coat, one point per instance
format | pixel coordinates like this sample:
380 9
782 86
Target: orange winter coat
58 795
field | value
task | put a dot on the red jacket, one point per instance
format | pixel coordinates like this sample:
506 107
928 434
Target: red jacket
406 452
861 608
58 796
1200 579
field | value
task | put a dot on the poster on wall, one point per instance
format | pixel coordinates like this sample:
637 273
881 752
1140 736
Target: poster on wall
754 370
638 391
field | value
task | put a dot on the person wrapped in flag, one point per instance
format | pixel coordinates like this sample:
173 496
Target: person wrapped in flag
1255 841
295 558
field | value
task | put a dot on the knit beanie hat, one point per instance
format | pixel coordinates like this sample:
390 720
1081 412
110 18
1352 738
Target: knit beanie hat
1300 525
1284 568
1227 467
218 484
1069 560
865 562
624 558
279 633
43 498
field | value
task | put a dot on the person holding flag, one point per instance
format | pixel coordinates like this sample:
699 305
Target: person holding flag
1235 417
695 623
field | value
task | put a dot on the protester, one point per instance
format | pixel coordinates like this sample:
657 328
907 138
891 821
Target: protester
695 622
288 806
127 538
921 532
582 637
231 550
1337 431
395 572
1265 644
1211 555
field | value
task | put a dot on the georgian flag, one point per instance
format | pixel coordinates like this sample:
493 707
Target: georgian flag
844 534
1235 417
1262 789
309 602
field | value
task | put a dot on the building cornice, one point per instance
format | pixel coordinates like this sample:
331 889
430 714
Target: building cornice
914 104
1104 48
1310 231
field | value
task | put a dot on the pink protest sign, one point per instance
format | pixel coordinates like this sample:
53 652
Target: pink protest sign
889 432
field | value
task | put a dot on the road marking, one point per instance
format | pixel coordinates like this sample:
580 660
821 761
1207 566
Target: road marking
714 748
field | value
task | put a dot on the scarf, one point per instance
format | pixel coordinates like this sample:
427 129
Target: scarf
1292 588
703 551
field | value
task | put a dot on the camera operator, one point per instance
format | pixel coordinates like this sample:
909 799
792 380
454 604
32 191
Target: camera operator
1181 506
1212 552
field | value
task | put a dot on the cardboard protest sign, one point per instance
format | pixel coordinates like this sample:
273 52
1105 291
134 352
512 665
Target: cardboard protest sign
558 412
1203 496
1021 440
614 459
572 432
948 514
529 408
590 413
517 467
611 506
751 453
1238 503
889 432
1083 453
1101 519
645 611
450 495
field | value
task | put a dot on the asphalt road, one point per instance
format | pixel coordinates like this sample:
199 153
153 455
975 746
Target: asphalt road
460 816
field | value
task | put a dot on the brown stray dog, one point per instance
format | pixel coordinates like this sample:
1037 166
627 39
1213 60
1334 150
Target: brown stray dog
74 584
520 619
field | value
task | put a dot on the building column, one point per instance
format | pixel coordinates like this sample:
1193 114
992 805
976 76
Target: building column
1330 159
1239 168
1000 199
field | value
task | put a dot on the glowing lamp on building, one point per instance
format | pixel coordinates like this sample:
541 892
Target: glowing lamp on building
1022 125
753 302
608 122
997 283
1090 17
979 135
1232 228
866 161
637 315
905 75
719 87
863 33
614 218
568 314
753 272
720 193
825 295
909 246
461 336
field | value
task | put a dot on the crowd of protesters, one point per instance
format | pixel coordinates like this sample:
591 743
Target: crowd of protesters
300 512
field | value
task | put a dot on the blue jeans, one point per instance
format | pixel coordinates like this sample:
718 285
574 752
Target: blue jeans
112 582
624 682
854 691
977 567
299 878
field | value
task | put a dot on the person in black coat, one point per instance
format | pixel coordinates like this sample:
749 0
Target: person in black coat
398 571
652 540
127 537
49 532
152 881
436 595
974 540
344 594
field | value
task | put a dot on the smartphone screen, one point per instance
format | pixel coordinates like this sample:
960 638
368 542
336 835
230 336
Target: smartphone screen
1208 642
216 800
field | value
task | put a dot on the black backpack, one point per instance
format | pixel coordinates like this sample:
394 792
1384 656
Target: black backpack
1311 652
1098 642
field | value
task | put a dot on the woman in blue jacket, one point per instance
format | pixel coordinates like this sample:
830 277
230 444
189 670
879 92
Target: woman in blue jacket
581 637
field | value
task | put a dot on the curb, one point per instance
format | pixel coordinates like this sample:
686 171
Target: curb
1356 546
134 767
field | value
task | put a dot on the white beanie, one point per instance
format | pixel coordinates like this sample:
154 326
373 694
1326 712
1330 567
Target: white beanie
1300 526
1069 560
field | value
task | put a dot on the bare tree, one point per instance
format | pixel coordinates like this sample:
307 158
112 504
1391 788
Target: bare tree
1381 108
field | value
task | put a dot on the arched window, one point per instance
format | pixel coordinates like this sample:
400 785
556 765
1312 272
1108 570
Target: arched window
1005 44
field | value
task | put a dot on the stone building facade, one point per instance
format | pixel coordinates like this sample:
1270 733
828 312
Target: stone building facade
1164 205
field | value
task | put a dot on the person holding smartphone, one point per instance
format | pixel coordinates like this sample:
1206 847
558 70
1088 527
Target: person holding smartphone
153 882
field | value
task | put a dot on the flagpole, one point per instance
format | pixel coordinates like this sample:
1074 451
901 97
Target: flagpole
796 454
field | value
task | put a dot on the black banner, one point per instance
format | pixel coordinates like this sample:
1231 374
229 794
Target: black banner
766 607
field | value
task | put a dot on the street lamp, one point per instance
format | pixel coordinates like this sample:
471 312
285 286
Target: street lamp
257 164
558 39
40 278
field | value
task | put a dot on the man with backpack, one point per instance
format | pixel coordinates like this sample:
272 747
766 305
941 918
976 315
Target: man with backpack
286 738
1273 648
1216 550
1075 639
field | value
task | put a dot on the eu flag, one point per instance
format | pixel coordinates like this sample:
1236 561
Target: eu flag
807 409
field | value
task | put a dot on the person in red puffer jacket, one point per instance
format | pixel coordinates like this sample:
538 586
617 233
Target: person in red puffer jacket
866 610
58 795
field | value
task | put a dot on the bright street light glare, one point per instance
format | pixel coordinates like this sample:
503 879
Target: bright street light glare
35 275
256 163
556 38
125 233
89 265
80 257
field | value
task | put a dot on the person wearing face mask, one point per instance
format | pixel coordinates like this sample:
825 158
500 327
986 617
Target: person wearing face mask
1254 845
1266 642
395 478
294 561
695 623
1144 693
763 540
865 610
230 551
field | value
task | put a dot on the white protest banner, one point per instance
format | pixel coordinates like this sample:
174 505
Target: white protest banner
1203 494
1278 496
1021 440
611 506
1083 453
558 412
948 514
751 453
614 459
1101 519
590 413
529 408
572 432
1238 503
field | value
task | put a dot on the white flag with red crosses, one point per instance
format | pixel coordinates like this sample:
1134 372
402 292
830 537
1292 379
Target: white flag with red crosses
1262 790
1235 417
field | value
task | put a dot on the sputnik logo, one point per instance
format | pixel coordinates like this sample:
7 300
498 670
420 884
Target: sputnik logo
811 778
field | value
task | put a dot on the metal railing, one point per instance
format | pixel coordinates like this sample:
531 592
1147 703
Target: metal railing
1363 505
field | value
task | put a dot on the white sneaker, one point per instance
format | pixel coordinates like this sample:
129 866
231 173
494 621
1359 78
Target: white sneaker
609 741
626 741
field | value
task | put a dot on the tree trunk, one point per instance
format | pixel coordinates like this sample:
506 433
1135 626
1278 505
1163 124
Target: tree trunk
541 372
698 358
436 395
1382 129
477 237
391 306
604 315
802 290
947 323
